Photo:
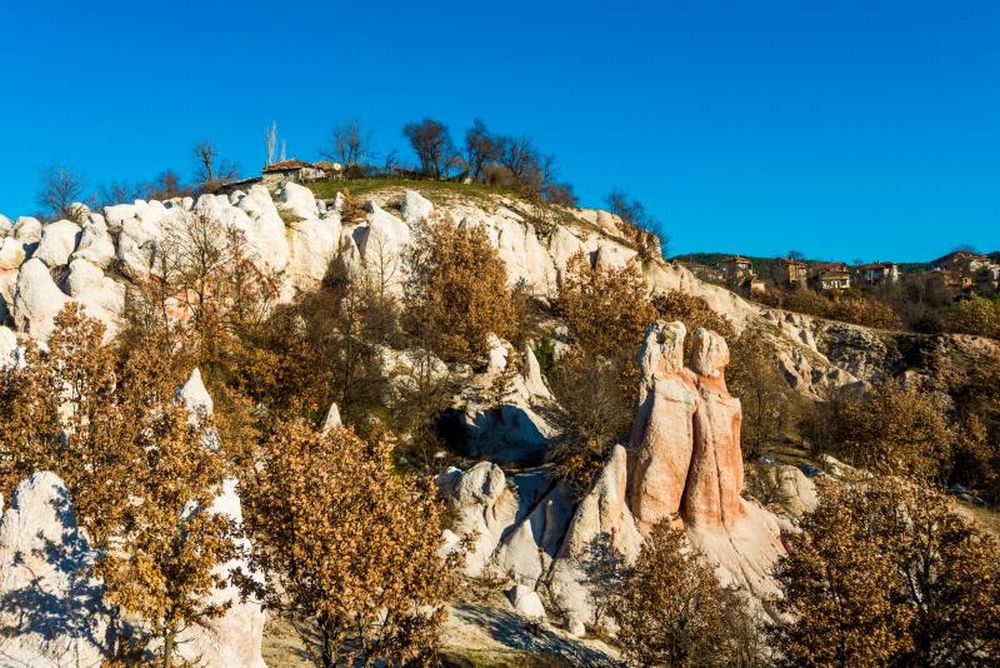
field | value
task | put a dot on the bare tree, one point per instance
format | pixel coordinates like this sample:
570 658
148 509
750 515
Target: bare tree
62 190
350 144
631 210
212 170
432 144
481 148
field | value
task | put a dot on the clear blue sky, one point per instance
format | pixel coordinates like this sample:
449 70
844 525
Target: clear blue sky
845 129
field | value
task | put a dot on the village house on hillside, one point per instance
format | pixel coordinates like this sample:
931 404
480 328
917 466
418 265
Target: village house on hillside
964 269
795 273
831 276
876 273
736 269
740 275
298 171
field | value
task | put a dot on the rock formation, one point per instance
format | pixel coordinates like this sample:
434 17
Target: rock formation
686 460
51 609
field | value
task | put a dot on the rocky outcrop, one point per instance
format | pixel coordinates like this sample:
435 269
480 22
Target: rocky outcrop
484 507
602 521
294 238
686 460
235 638
51 609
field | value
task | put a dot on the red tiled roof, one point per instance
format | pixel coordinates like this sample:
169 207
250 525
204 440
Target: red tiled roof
285 165
957 255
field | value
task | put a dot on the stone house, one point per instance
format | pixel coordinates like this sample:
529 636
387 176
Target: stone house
296 171
830 276
876 273
795 273
737 270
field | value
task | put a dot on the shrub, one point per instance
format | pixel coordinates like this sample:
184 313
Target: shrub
894 430
975 315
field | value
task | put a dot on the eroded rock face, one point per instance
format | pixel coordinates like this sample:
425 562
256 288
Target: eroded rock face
484 508
686 460
51 609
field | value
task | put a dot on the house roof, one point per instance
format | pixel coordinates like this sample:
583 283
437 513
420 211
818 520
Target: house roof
735 258
958 255
834 275
286 165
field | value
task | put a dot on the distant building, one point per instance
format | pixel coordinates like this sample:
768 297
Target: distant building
964 269
296 171
963 260
876 273
755 285
737 270
831 276
794 272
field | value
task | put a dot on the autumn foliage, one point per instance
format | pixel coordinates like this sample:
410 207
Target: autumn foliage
671 610
352 546
888 574
457 294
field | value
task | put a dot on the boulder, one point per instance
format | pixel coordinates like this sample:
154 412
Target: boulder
101 296
96 245
59 240
12 253
235 638
528 550
28 230
797 494
527 602
10 354
297 201
37 301
332 420
5 226
51 607
484 507
602 527
415 207
313 245
195 396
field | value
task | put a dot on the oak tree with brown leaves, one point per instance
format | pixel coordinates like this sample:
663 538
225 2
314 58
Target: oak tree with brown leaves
886 573
105 419
456 292
352 546
672 611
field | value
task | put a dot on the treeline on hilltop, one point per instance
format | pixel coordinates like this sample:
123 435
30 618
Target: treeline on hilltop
507 163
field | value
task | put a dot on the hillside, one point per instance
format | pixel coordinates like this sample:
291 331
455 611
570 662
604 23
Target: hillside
264 299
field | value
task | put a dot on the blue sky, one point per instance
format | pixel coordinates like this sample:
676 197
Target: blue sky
845 129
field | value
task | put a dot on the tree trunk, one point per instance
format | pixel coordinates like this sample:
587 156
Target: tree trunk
168 647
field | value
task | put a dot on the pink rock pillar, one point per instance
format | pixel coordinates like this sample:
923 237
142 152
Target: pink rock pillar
715 479
663 436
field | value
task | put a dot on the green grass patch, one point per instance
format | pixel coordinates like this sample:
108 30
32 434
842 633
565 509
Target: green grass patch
429 188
